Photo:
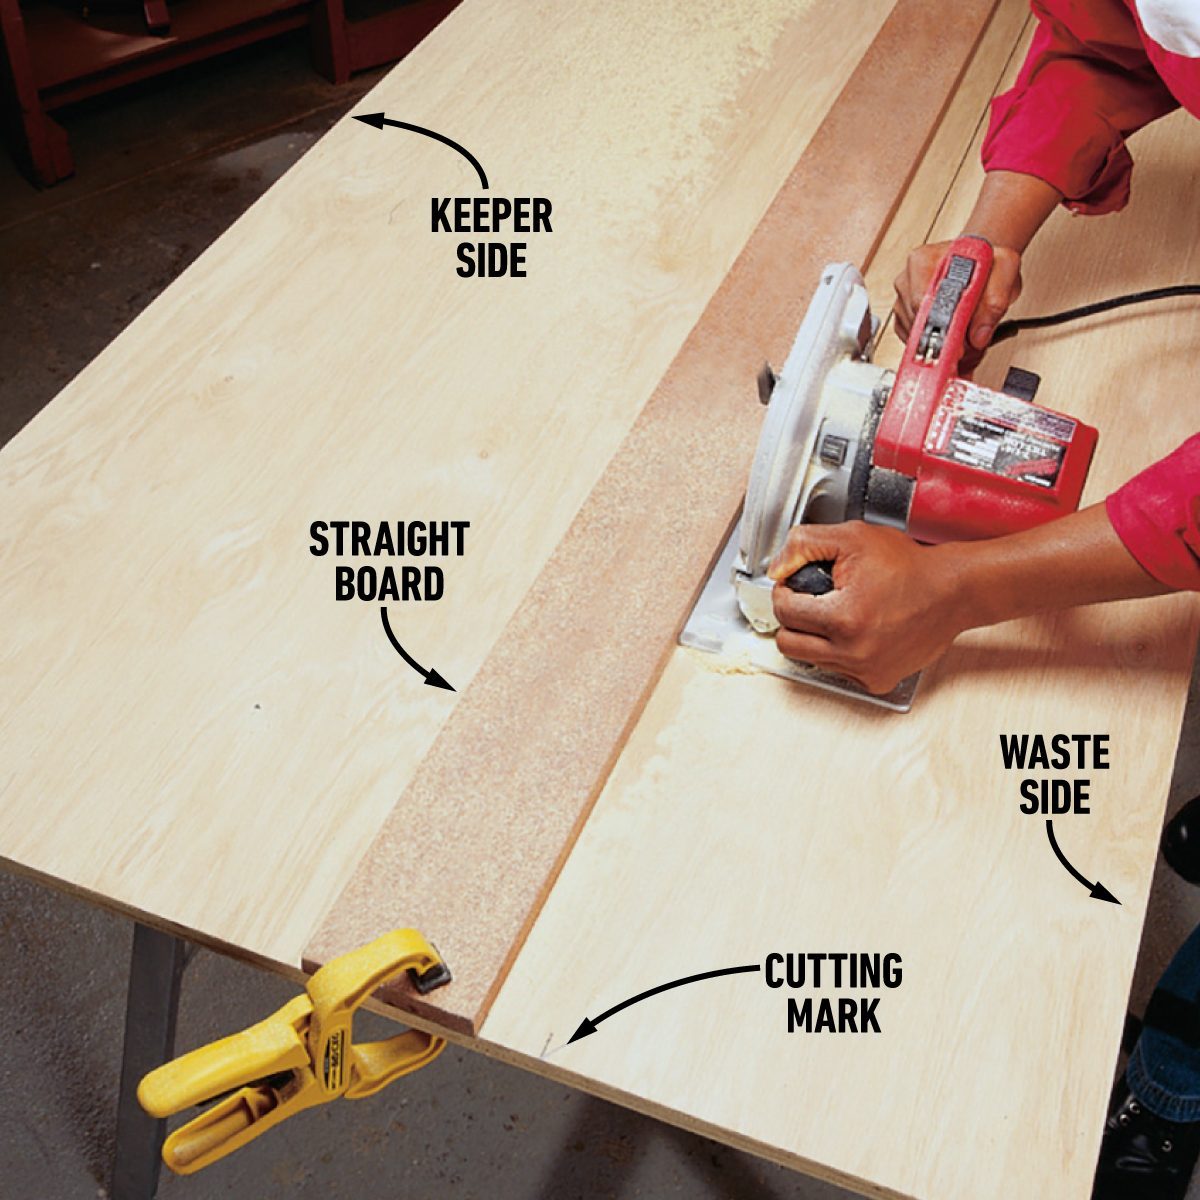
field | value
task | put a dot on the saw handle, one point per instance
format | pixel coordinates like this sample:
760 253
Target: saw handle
813 579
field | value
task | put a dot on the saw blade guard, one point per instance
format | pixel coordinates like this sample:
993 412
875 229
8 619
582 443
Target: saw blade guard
837 331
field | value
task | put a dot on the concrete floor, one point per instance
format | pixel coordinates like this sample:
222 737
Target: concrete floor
162 170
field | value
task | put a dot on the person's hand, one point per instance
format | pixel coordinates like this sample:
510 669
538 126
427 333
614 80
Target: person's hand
1001 292
895 608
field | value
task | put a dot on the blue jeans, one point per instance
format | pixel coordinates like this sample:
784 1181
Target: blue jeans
1164 1069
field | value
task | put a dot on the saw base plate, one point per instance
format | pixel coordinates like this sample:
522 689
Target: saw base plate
716 626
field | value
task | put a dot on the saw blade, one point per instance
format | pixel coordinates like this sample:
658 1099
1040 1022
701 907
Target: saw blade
837 325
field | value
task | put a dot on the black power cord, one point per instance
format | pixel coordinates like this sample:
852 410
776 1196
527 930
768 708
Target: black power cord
1010 328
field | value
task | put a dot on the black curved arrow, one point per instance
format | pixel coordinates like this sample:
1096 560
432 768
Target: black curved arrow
378 121
588 1024
432 678
1097 890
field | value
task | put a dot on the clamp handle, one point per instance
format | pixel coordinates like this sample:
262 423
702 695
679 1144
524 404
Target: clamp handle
231 1123
274 1045
376 1064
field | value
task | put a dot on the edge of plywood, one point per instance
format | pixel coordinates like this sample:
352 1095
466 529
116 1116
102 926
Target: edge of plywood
543 721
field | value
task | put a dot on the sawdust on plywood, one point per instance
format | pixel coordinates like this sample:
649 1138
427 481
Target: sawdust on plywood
739 663
653 83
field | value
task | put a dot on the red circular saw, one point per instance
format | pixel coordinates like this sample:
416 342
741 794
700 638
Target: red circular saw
920 449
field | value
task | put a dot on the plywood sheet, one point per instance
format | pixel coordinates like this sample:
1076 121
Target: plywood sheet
747 816
516 768
193 729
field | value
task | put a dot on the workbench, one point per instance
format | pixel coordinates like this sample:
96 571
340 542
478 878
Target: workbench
201 734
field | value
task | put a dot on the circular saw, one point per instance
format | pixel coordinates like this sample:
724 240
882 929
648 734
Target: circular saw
920 449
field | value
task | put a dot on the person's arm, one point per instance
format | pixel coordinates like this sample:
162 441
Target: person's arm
1011 208
1086 85
1057 136
898 605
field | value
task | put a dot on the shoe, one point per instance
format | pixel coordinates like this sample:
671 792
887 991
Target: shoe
1143 1157
1181 842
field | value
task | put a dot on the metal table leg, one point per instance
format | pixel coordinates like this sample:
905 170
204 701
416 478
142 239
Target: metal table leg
155 972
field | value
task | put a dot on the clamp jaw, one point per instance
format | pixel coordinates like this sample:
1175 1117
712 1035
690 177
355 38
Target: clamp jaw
300 1056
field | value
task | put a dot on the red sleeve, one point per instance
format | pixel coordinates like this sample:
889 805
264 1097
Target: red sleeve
1157 515
1086 85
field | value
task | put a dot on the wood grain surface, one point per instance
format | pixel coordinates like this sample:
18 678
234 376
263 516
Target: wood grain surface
541 725
194 730
747 816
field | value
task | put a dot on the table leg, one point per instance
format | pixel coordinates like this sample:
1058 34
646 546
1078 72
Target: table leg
155 972
39 142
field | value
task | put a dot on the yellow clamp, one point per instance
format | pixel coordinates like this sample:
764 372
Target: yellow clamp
298 1057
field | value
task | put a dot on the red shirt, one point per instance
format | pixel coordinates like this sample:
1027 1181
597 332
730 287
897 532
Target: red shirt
1093 76
1157 515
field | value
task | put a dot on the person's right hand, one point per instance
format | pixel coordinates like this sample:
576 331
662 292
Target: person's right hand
1003 288
895 607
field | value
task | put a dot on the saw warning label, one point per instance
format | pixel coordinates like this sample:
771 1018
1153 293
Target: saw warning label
990 431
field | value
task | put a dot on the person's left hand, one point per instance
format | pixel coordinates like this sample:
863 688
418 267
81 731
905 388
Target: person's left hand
896 606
